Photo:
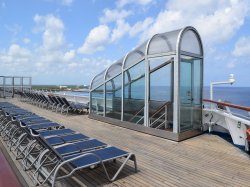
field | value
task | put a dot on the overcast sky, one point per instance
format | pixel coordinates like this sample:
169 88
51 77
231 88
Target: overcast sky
69 41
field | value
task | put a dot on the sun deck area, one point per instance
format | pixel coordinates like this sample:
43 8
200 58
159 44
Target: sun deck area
205 160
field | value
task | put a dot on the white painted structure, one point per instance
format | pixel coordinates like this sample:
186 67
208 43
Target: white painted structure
218 117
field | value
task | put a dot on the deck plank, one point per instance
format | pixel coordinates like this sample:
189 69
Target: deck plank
205 160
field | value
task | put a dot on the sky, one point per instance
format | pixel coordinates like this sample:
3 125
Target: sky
70 41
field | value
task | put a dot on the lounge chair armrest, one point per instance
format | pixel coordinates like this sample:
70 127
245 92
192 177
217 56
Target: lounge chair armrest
34 133
81 156
70 160
22 125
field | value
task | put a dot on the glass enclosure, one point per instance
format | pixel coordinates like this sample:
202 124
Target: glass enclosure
9 85
158 85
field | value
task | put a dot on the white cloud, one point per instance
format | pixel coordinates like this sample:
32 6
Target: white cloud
140 26
52 28
113 15
67 2
14 29
217 21
95 40
208 16
17 51
70 55
242 47
26 40
231 65
48 60
121 29
15 56
121 3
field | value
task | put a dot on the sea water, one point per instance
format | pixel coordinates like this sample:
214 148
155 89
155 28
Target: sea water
234 95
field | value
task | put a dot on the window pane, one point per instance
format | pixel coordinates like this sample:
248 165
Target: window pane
98 80
190 93
97 100
134 89
190 43
160 101
113 97
135 55
163 43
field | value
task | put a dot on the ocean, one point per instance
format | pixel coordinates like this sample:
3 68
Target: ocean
234 95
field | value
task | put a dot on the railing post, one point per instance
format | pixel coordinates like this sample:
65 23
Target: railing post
30 82
228 110
3 87
13 86
22 84
166 116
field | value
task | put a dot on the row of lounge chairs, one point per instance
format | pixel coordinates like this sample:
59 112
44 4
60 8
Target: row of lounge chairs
46 148
54 103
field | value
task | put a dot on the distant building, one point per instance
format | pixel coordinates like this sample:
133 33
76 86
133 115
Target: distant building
61 87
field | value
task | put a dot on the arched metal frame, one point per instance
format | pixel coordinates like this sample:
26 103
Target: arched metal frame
176 108
176 53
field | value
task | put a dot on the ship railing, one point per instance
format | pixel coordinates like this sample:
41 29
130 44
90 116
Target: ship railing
226 107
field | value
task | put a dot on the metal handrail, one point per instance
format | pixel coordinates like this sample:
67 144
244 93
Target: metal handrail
157 120
164 106
139 119
160 125
160 109
136 114
228 105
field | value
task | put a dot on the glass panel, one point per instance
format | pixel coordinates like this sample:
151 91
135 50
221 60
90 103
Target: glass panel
197 81
136 55
190 43
113 97
160 101
98 80
114 69
26 83
197 95
17 81
97 100
134 89
8 86
17 84
1 87
163 43
190 93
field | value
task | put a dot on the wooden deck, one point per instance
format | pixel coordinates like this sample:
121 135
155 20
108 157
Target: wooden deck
205 160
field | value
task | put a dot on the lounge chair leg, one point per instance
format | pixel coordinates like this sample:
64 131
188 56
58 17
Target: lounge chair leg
130 157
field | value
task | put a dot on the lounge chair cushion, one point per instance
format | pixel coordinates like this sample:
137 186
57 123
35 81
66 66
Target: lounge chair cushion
105 154
56 132
57 140
80 147
44 126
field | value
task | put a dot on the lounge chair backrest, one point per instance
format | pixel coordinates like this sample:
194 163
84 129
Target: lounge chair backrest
45 98
52 99
55 99
65 101
60 100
